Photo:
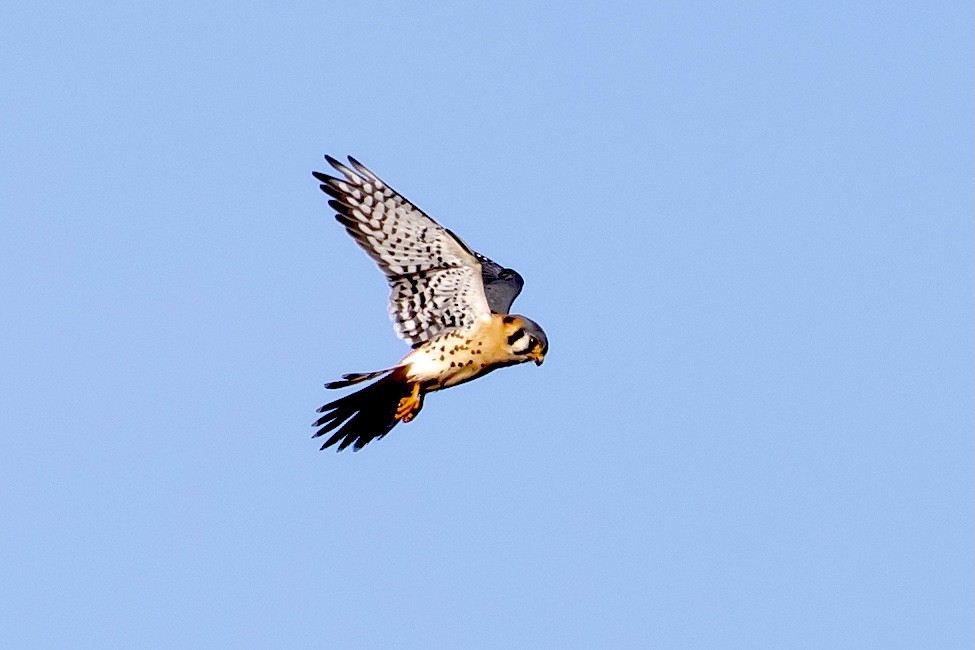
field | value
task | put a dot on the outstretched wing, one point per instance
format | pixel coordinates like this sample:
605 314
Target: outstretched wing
501 285
435 280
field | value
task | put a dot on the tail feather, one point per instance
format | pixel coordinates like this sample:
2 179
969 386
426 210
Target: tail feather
365 415
356 377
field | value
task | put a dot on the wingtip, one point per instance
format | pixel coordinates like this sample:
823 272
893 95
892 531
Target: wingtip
341 167
365 172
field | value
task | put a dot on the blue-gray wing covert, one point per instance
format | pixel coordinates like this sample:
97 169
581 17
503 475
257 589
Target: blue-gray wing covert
501 285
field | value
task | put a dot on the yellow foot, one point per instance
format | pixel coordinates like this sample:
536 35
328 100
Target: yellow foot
410 405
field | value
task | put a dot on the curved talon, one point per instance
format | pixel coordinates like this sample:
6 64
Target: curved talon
410 405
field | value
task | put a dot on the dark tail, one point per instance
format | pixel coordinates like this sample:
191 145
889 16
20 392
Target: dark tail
356 377
368 413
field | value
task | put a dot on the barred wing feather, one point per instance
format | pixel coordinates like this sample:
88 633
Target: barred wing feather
435 279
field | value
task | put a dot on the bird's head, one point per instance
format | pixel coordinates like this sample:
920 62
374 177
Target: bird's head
525 339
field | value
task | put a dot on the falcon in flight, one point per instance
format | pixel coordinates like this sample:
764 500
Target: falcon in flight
450 303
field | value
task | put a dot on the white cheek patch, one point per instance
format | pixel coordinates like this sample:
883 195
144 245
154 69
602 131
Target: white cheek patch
521 345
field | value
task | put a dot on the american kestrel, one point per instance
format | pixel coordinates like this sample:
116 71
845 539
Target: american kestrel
450 303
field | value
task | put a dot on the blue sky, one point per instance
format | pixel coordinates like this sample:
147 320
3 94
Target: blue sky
747 230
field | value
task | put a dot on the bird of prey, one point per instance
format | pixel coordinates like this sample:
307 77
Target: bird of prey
450 303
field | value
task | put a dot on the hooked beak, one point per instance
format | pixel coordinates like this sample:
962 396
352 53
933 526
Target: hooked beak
537 356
